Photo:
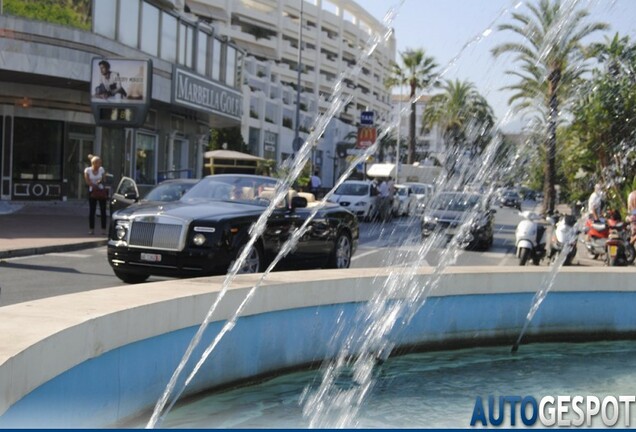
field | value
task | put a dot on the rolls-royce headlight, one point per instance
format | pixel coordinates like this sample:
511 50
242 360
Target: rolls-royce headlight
121 230
199 239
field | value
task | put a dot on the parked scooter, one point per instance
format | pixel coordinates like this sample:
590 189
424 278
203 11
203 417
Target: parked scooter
564 237
609 238
530 239
619 250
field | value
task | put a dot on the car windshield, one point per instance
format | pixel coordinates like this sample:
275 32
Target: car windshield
168 191
246 189
455 202
359 189
401 191
420 189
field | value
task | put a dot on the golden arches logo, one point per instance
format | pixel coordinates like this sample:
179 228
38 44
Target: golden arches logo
366 137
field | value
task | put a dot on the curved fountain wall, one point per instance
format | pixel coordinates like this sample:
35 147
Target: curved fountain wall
97 358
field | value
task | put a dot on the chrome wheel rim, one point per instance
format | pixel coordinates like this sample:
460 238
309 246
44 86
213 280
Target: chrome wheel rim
343 252
252 263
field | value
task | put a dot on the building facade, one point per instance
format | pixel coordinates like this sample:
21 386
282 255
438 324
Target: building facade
328 46
246 51
47 129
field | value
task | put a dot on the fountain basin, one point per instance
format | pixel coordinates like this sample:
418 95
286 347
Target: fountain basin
98 358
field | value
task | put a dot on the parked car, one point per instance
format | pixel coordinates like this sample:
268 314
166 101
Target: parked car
356 195
204 232
510 199
447 211
423 192
127 192
404 201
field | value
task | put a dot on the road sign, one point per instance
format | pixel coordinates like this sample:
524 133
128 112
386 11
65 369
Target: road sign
366 137
366 117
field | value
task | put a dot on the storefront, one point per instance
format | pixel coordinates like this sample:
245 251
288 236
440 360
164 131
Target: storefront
47 127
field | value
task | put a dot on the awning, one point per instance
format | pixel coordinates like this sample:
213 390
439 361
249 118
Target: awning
381 170
231 154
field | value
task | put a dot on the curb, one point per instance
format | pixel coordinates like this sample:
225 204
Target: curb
14 253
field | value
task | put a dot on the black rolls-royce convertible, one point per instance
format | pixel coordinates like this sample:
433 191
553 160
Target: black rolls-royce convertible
204 232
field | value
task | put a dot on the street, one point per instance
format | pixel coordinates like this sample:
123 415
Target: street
396 243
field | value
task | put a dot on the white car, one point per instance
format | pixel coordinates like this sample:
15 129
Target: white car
423 192
355 195
404 201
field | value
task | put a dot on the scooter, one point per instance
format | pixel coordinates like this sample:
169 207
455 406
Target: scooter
619 251
596 235
564 237
530 239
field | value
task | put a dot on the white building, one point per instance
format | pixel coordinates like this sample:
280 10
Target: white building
334 36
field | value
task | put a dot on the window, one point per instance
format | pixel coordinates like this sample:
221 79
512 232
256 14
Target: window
150 29
182 43
189 46
230 66
104 17
168 37
146 159
202 53
128 23
37 151
216 59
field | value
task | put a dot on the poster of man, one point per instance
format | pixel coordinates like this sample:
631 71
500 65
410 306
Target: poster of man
115 80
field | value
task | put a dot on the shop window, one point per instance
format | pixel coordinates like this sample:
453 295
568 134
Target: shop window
146 159
37 149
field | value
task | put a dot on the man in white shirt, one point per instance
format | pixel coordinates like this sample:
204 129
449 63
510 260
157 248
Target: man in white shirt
315 184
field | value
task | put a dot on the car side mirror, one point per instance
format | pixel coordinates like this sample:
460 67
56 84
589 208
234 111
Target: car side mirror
493 211
298 202
131 196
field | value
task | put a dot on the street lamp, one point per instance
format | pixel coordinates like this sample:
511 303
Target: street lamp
297 141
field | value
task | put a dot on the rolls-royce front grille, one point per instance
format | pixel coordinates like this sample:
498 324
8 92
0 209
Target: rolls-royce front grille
155 235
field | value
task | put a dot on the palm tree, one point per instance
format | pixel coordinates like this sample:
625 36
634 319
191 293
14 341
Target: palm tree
551 60
417 72
464 117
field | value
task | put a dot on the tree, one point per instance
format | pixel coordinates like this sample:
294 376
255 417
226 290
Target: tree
417 72
603 131
464 117
73 13
551 62
230 136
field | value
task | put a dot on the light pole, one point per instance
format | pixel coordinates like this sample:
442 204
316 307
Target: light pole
297 142
397 144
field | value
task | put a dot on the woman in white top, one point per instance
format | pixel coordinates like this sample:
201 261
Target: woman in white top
95 176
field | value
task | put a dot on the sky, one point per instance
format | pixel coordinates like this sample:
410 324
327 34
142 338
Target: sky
452 31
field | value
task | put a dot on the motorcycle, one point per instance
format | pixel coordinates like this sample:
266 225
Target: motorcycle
530 239
609 238
564 237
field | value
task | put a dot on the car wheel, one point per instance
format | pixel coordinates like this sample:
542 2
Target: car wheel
341 256
131 278
630 254
253 263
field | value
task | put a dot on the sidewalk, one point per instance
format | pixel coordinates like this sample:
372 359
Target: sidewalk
29 228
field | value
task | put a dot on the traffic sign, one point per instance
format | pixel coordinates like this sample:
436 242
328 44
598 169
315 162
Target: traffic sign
366 117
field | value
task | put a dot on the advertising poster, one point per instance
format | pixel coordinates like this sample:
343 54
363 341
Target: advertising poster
119 81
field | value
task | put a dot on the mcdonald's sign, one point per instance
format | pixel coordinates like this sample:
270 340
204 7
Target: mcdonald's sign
366 137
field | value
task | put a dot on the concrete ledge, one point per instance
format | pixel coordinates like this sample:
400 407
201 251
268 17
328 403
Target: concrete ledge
92 359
